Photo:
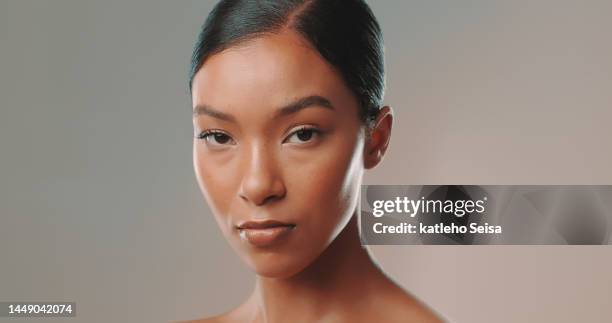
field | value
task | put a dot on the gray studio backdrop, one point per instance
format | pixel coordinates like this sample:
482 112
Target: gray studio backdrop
98 201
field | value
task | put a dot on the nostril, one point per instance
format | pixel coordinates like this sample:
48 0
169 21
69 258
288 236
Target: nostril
270 199
261 201
262 182
263 195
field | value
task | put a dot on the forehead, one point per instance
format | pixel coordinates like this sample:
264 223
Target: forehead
266 72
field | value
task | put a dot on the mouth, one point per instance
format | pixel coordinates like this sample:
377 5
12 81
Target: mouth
264 233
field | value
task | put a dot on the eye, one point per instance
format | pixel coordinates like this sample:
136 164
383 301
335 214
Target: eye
216 137
303 135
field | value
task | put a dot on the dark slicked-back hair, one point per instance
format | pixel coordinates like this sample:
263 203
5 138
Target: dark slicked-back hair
344 32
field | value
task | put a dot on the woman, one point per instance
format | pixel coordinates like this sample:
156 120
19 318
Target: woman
287 116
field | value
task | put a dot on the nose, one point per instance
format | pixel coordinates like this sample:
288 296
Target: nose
262 181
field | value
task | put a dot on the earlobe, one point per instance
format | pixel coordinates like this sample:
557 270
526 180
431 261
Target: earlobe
380 135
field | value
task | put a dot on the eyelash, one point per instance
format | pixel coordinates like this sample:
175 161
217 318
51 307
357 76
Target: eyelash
315 130
204 135
207 133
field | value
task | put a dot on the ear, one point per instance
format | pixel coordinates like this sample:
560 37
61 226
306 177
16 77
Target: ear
378 140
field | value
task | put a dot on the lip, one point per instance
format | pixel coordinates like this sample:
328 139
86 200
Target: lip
264 233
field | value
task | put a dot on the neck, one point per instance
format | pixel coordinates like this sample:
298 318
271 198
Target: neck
328 287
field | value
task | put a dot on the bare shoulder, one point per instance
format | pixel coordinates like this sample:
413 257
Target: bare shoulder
214 319
204 320
398 305
221 318
238 314
417 311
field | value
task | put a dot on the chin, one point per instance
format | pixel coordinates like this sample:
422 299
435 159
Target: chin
274 266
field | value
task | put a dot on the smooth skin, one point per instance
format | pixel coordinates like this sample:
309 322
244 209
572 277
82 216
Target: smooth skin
277 136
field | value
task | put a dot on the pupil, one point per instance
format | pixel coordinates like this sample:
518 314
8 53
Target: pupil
221 138
304 135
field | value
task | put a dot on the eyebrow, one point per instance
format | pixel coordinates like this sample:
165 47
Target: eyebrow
311 101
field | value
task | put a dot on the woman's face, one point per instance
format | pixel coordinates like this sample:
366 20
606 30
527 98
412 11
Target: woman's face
278 150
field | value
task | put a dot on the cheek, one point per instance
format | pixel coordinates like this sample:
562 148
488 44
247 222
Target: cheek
215 179
326 186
